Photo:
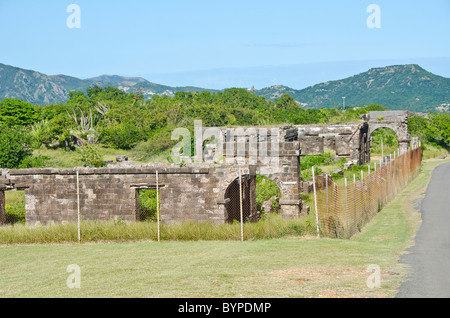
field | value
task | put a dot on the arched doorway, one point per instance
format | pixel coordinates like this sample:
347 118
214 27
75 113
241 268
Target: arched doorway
395 120
260 195
383 142
232 200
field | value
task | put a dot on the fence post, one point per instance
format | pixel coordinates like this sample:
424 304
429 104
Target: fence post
391 176
326 191
362 192
354 194
346 202
315 202
157 206
387 182
78 208
240 204
335 199
368 186
377 194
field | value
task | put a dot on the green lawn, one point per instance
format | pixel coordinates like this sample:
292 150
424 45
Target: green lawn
288 267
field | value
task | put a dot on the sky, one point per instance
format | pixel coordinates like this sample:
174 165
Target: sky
219 44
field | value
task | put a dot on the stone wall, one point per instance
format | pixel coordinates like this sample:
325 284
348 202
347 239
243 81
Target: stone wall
348 141
395 120
192 192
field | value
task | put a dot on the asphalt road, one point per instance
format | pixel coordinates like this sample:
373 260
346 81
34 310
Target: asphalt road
429 258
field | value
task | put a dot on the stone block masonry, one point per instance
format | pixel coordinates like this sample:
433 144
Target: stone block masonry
187 193
195 191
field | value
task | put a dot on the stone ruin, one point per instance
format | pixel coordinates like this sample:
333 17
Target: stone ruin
202 191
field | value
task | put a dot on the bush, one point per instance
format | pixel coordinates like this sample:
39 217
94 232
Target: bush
160 142
265 190
14 146
90 156
147 205
17 112
15 212
121 136
307 173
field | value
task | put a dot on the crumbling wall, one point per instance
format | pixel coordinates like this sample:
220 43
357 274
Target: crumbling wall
193 192
348 141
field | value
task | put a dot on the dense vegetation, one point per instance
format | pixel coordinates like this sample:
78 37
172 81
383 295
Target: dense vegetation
92 122
108 118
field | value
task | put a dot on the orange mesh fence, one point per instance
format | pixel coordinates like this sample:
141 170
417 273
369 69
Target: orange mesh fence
343 209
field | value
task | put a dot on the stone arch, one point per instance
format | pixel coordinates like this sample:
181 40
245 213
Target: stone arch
381 126
395 120
389 128
275 178
232 199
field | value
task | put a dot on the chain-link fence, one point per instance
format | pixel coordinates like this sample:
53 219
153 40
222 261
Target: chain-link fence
342 209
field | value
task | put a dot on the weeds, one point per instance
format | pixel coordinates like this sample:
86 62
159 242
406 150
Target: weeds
272 226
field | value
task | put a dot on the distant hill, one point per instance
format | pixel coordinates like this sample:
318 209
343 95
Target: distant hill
133 84
398 87
38 88
35 87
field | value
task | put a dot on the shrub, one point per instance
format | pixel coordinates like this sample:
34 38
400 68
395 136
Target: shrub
265 190
147 205
15 212
90 156
307 173
17 112
122 136
14 145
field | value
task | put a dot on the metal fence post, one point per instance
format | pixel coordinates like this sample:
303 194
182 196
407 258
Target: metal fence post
368 186
315 202
78 208
362 193
326 192
157 207
346 201
240 203
354 194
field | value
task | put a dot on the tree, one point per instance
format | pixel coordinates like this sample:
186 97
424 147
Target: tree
14 147
286 101
16 112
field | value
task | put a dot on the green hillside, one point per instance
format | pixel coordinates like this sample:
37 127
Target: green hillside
35 87
38 88
398 87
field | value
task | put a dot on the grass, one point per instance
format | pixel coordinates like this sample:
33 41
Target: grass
290 266
431 152
59 158
273 226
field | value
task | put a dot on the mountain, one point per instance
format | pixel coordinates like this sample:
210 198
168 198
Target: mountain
133 84
397 87
38 88
35 87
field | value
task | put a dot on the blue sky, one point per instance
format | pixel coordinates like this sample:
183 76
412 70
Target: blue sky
212 43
